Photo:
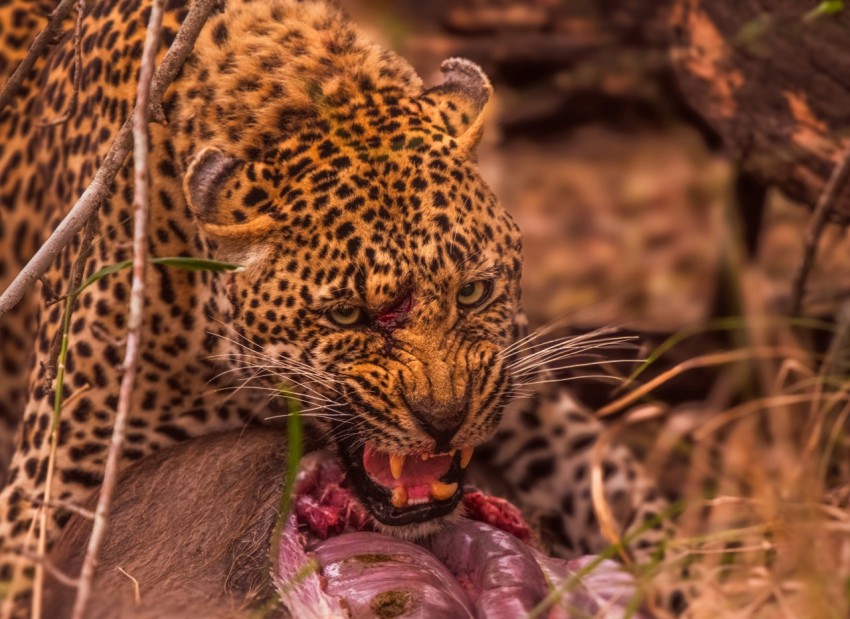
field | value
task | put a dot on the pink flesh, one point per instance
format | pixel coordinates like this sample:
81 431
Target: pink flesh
416 476
325 506
322 503
496 576
496 512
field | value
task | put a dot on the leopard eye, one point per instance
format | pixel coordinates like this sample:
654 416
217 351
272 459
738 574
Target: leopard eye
346 315
475 293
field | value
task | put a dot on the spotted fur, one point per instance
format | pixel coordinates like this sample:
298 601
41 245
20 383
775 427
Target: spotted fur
319 162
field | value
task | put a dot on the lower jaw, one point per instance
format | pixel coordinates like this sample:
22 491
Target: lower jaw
377 499
420 514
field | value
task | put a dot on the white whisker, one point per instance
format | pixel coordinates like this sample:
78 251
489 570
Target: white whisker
567 379
572 366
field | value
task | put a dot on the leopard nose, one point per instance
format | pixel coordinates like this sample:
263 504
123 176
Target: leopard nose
441 424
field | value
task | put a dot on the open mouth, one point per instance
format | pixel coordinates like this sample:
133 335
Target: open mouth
402 489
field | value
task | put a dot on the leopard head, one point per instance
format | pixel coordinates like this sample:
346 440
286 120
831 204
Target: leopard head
381 280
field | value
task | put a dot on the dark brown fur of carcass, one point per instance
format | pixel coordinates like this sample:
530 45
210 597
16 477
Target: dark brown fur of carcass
192 525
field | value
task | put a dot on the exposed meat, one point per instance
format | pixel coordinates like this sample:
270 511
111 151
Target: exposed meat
481 566
331 564
500 573
322 502
381 576
325 505
497 512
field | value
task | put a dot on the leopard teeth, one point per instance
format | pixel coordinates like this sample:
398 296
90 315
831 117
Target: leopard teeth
466 456
399 499
396 465
442 491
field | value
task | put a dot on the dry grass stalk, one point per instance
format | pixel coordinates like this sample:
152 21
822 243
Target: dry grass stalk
140 120
703 361
787 562
45 564
137 591
604 514
767 545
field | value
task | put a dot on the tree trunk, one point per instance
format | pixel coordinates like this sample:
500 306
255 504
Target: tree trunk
773 82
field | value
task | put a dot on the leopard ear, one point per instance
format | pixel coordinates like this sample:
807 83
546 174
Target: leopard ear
204 184
461 99
213 192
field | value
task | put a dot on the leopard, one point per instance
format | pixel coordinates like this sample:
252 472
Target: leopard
375 275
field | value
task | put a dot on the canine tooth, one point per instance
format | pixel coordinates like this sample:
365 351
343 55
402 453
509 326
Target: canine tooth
441 491
465 456
396 465
424 456
399 499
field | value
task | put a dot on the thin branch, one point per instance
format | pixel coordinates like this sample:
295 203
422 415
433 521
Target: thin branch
99 187
66 505
58 372
137 304
39 45
79 269
820 217
45 563
54 297
78 67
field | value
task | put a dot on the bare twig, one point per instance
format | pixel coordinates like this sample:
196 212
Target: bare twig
99 187
79 269
820 217
59 354
41 43
78 66
45 563
137 304
54 297
66 505
78 393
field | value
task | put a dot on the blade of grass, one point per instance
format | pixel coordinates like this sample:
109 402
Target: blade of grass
293 461
58 396
181 262
827 7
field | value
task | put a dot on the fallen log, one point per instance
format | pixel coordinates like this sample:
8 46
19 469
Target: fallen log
772 79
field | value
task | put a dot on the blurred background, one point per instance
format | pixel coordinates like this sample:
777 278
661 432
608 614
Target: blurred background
609 142
678 170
